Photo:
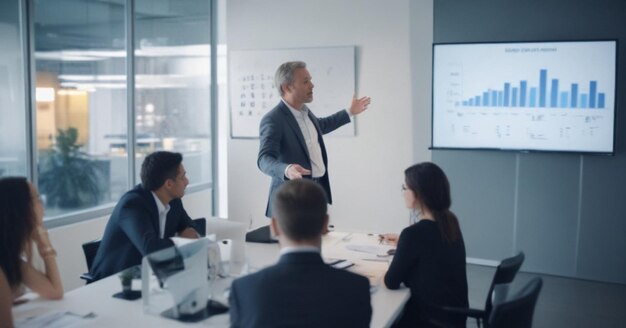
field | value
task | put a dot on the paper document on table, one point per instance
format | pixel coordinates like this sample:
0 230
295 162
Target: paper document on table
42 317
380 250
181 241
374 271
343 264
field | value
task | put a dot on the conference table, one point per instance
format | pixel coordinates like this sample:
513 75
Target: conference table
93 305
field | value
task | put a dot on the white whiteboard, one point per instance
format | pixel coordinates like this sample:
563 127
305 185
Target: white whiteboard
253 94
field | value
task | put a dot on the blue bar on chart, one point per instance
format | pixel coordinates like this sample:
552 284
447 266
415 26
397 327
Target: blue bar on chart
505 102
548 93
563 102
554 92
574 90
533 97
543 76
592 94
522 94
601 100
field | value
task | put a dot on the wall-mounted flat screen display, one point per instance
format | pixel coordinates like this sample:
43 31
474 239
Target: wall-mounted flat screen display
526 96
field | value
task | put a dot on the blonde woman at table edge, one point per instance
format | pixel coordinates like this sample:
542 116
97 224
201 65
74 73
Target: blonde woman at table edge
21 224
430 254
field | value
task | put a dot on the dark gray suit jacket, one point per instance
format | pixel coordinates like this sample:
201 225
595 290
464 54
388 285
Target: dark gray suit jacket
282 143
133 231
300 291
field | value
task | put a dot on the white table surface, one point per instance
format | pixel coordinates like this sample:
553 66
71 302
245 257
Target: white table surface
114 312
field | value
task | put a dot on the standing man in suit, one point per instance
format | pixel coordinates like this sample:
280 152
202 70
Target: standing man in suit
300 290
291 145
146 217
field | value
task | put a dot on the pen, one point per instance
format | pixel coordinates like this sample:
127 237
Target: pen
375 260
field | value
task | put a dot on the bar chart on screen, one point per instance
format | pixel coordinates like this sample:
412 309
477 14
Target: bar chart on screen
556 96
523 95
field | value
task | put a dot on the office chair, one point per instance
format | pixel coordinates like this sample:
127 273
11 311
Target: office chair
517 311
504 275
200 225
90 249
261 235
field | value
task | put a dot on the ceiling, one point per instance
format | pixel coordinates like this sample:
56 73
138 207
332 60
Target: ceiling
100 24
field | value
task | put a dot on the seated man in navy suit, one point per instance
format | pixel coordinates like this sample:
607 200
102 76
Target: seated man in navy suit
146 217
300 290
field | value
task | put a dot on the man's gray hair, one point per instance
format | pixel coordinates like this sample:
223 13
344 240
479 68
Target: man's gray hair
284 74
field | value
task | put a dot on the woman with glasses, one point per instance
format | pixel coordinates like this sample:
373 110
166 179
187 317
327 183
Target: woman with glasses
430 253
21 225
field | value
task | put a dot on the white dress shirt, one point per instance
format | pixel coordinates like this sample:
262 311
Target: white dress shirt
309 132
162 209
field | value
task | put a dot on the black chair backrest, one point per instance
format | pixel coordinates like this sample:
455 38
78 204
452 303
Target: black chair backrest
260 235
200 225
518 311
505 273
90 249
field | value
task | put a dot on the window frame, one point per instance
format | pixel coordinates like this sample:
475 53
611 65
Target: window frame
27 35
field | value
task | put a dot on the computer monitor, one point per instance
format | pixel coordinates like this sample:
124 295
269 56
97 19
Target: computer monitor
182 273
556 96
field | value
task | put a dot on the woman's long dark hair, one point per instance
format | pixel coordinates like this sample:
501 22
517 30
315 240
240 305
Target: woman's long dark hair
431 187
17 222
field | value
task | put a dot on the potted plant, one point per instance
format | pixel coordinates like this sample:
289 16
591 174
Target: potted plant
69 179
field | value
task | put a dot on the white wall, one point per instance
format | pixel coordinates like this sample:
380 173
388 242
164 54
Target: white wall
366 171
421 72
67 240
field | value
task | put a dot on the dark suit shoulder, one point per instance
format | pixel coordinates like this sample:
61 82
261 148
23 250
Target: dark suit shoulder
348 276
136 197
301 291
137 192
275 112
422 228
272 120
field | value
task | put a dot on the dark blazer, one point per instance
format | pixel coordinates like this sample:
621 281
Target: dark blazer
435 272
300 291
282 143
133 231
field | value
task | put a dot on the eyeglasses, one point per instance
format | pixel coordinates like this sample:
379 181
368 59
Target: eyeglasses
404 187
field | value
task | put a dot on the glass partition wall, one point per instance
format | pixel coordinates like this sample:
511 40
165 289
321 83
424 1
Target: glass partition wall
13 118
173 79
98 108
80 67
